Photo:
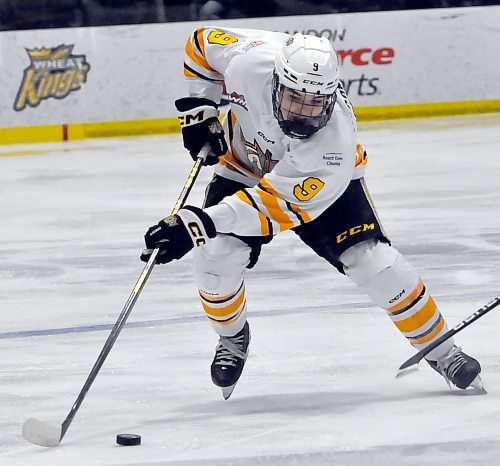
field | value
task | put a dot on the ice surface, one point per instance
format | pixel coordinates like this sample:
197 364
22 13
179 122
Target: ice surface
319 386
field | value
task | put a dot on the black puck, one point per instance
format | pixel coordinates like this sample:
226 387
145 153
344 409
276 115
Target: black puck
128 439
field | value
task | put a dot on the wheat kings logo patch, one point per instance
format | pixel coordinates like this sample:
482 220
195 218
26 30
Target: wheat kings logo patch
53 72
261 162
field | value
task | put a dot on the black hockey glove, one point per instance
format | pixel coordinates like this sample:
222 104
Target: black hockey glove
200 125
178 234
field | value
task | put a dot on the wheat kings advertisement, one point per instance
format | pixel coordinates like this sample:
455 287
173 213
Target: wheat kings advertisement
118 73
52 73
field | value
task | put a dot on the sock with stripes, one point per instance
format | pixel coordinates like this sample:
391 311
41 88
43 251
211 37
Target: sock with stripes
394 285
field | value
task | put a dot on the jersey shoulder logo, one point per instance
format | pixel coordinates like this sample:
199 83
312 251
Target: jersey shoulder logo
238 99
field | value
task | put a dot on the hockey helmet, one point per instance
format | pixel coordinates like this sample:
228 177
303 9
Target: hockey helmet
305 80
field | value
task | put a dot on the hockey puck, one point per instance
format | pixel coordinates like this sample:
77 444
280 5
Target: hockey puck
128 439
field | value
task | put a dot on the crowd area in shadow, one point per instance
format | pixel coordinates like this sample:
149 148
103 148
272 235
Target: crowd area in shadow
42 14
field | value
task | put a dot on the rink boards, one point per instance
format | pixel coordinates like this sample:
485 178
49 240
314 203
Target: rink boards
68 84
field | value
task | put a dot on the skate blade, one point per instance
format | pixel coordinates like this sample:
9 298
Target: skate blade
226 391
477 383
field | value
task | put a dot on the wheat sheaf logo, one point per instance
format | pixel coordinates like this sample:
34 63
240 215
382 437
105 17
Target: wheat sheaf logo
52 72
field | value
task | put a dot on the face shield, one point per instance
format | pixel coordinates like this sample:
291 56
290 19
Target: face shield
300 114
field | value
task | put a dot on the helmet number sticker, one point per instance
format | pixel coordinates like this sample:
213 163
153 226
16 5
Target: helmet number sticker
221 38
315 67
309 188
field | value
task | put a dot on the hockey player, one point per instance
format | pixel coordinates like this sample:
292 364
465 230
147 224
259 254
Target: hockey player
286 158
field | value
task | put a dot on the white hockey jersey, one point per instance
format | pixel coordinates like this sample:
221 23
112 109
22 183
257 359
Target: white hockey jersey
290 181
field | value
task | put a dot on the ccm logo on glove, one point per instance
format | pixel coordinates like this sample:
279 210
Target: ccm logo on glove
200 126
196 234
187 120
176 235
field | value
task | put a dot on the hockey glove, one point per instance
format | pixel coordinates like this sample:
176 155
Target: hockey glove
178 234
200 125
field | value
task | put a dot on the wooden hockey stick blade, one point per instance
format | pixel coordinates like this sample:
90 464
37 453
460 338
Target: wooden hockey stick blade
42 434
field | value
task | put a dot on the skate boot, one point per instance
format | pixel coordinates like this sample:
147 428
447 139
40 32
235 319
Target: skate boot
230 356
459 368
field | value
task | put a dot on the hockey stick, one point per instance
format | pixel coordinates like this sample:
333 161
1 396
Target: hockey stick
409 366
46 435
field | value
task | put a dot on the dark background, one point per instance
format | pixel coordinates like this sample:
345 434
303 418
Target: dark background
42 14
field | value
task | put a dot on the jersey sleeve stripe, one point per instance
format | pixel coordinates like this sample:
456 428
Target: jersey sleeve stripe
196 38
274 209
188 71
301 215
199 60
265 224
297 214
266 186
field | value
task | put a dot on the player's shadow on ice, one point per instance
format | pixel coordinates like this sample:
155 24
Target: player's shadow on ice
310 403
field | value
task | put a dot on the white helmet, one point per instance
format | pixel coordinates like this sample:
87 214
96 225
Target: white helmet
306 77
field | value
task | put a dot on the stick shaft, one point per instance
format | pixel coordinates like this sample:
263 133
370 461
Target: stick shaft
132 299
460 326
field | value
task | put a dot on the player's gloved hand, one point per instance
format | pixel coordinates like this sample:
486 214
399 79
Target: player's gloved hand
177 234
200 125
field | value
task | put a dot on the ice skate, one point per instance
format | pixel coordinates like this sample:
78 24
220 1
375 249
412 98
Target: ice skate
230 356
460 369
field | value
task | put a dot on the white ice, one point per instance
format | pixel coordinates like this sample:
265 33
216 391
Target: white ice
318 387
